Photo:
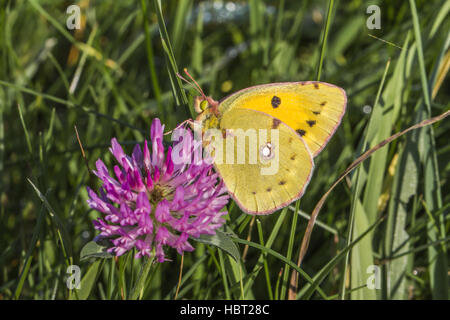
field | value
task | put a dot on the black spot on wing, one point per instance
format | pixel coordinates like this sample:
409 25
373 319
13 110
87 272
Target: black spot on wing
282 182
311 123
275 123
323 103
316 112
301 132
276 101
316 86
269 189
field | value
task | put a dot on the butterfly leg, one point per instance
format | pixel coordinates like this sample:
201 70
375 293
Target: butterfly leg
188 121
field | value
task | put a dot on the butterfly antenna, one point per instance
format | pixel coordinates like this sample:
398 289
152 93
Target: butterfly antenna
195 82
192 83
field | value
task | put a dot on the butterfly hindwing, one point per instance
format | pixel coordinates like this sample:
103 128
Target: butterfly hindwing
283 182
313 109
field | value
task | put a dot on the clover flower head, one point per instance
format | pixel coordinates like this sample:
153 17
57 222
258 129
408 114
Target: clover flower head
158 199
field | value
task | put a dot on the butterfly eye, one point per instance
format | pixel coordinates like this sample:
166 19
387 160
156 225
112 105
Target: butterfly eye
204 105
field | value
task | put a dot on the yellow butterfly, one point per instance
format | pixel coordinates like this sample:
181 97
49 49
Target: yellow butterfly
286 124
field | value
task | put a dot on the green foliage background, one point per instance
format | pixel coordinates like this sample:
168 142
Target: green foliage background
115 74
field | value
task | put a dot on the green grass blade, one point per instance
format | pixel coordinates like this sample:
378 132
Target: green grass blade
268 245
361 257
23 276
71 104
61 229
182 13
292 264
319 223
172 67
437 256
224 272
24 126
324 39
186 276
289 250
418 38
397 239
138 289
357 184
266 266
31 248
150 59
308 290
388 112
89 280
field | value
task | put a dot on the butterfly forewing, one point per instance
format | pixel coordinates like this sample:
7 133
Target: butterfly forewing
312 109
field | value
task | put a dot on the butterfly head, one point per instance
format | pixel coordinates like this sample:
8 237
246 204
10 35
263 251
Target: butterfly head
206 104
206 107
208 111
